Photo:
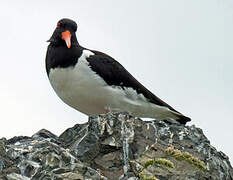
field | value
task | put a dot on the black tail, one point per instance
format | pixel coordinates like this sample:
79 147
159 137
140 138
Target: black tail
183 119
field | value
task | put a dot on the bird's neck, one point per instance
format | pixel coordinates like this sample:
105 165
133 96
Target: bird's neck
61 57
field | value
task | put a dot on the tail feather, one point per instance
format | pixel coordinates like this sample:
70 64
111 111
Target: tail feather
183 119
175 115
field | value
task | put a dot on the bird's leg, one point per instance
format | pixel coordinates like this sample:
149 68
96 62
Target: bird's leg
108 110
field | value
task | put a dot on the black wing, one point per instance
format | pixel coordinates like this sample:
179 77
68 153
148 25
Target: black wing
114 74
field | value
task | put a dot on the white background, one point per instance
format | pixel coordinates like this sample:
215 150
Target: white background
181 50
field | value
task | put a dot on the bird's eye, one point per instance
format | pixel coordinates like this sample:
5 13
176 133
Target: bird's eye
58 24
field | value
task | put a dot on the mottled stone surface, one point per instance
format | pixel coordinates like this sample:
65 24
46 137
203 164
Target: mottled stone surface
41 157
115 146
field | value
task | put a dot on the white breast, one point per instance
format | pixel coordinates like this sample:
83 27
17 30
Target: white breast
84 90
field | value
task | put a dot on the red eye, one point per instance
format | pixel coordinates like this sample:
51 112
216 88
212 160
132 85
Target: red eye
58 24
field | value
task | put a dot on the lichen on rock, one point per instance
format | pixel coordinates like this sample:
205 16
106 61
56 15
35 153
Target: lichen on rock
185 156
159 161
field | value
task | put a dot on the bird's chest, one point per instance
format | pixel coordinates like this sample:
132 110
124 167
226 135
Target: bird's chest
78 86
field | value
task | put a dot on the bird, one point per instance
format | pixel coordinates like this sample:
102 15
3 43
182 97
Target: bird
94 83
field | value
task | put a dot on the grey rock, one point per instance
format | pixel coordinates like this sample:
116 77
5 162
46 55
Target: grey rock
42 157
115 146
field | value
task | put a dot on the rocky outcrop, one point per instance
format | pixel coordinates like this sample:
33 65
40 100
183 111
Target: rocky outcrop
115 146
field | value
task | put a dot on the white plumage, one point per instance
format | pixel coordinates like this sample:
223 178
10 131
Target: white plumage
84 90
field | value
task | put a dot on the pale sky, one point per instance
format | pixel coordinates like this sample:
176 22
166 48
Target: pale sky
180 50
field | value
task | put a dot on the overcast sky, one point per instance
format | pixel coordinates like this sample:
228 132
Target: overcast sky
181 50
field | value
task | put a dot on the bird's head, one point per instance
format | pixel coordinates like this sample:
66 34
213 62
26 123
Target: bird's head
64 33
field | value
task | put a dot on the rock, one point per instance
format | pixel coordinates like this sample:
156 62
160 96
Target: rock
115 146
41 157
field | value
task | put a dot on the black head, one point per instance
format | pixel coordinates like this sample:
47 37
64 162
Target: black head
64 33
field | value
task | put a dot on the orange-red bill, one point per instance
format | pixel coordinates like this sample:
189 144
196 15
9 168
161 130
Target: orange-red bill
66 36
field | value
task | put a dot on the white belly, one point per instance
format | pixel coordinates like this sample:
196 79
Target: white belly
85 91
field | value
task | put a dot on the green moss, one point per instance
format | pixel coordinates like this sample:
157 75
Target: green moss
149 163
160 161
185 156
144 177
175 153
164 162
193 160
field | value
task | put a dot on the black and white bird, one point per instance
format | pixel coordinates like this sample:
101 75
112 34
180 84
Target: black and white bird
94 83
